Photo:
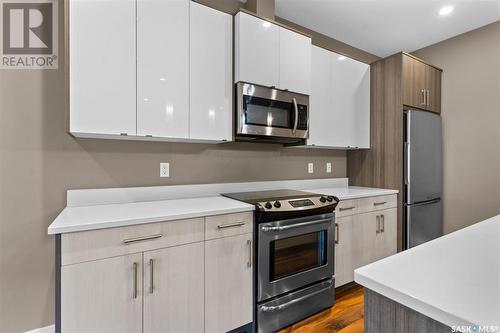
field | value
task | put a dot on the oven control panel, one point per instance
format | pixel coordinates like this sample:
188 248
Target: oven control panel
296 204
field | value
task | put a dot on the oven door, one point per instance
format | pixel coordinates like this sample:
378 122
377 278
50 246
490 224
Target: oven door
294 253
264 111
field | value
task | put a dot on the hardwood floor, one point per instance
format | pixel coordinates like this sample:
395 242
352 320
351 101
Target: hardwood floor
346 316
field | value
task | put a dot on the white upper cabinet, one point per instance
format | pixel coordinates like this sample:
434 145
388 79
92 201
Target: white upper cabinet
163 68
256 50
270 55
211 74
295 62
102 67
351 102
320 102
339 102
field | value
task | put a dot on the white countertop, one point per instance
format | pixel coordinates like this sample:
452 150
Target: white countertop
352 192
454 279
83 218
116 209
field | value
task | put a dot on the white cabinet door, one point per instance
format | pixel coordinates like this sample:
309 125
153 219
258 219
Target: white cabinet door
211 71
173 289
350 102
228 283
360 115
256 50
387 238
320 101
295 62
103 295
345 245
163 68
102 67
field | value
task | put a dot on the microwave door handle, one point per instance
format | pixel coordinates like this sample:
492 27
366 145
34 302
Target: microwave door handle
296 115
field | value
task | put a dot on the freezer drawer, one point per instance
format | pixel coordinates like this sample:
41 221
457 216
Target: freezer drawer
424 222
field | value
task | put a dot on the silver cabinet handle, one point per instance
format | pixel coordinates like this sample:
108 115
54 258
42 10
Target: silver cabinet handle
383 223
151 276
378 224
231 225
142 238
422 94
135 279
296 122
427 97
379 203
337 233
283 306
346 208
249 262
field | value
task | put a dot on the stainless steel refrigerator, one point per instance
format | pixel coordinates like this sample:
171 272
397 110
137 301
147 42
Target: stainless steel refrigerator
423 173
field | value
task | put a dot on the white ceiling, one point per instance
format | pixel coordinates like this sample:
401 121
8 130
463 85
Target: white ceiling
384 27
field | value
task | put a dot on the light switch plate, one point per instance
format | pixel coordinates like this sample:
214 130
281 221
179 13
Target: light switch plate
328 167
310 167
164 170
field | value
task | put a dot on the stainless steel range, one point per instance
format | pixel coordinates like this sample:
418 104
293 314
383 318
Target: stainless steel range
294 254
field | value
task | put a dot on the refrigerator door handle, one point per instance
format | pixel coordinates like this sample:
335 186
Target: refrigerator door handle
407 162
428 202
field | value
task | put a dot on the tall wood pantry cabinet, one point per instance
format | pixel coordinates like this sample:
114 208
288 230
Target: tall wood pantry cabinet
398 82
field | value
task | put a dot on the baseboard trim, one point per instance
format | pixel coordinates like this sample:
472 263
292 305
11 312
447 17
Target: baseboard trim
46 329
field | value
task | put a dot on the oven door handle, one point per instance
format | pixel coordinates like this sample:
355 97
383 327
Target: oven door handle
293 226
274 308
296 108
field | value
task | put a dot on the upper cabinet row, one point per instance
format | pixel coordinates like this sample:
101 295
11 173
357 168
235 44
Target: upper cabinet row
339 101
421 84
270 55
163 70
146 68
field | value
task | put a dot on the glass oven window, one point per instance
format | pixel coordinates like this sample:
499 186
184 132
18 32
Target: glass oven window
296 254
266 112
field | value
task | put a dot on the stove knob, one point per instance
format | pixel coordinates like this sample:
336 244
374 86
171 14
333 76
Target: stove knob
268 205
322 199
277 204
329 198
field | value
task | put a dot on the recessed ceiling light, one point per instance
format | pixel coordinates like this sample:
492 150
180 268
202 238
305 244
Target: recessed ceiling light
341 58
446 10
266 24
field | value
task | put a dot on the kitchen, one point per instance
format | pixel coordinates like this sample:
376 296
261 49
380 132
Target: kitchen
146 192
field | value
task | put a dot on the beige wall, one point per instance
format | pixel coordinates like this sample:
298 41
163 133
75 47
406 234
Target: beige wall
39 162
471 124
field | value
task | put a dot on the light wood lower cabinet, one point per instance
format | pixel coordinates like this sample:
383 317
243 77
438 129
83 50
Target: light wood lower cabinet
386 244
173 289
228 283
183 278
361 239
103 295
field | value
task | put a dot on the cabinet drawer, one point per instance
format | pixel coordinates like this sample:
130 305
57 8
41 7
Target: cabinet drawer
377 203
104 243
346 208
228 225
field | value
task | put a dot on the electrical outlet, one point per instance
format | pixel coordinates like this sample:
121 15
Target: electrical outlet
328 167
310 167
164 170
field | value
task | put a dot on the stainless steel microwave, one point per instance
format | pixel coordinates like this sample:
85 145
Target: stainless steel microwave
269 114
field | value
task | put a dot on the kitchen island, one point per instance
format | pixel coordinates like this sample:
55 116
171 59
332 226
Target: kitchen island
449 284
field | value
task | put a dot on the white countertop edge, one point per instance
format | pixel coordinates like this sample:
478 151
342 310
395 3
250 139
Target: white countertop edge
63 224
413 303
53 230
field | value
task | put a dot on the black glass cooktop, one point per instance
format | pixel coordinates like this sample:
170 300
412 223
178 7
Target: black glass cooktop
273 195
